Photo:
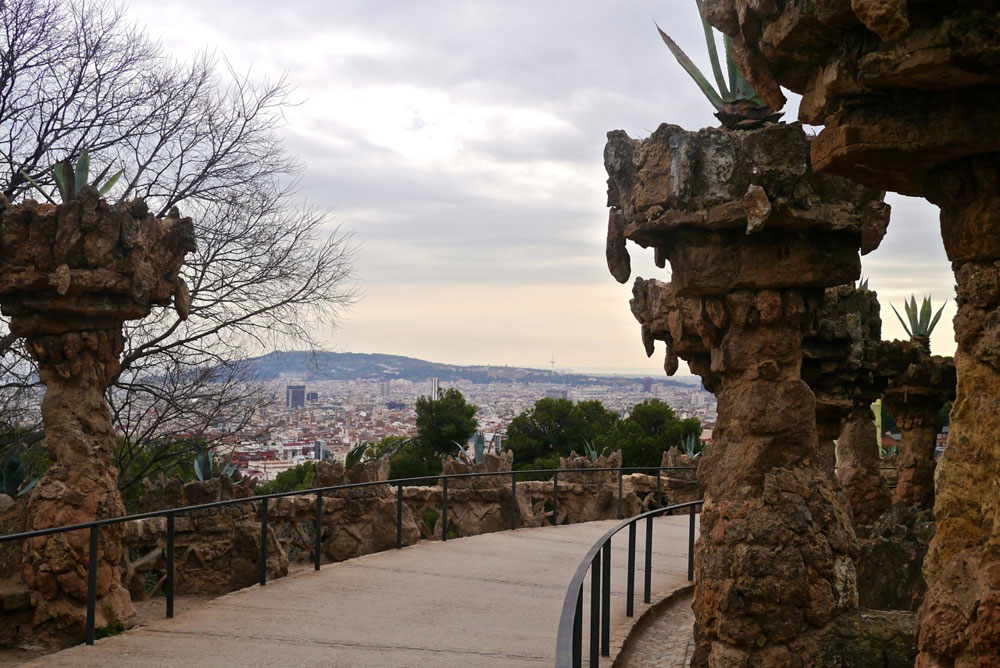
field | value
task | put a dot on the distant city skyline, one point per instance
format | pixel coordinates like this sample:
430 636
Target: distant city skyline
462 143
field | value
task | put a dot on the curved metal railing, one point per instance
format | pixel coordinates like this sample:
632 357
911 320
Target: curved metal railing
569 641
170 513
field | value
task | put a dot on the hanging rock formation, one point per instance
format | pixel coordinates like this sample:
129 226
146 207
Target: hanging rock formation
753 237
70 275
908 92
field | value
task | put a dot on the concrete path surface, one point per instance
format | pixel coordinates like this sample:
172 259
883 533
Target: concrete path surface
489 600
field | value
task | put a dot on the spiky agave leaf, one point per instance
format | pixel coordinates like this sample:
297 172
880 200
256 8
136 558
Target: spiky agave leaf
111 182
901 321
713 56
937 316
65 179
37 187
82 171
693 71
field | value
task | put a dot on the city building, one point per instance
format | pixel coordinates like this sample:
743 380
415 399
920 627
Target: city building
295 396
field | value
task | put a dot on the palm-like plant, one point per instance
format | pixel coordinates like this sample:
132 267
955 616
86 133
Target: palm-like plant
736 103
71 180
918 323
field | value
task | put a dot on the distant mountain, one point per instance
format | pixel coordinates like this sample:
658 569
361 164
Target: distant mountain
349 366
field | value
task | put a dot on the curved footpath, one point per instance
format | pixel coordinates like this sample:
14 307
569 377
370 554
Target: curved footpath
489 600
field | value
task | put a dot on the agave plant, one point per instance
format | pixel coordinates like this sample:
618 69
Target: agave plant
354 455
592 453
479 447
71 180
11 473
736 103
203 465
690 445
919 324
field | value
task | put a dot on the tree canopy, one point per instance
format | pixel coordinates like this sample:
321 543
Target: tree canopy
445 421
555 427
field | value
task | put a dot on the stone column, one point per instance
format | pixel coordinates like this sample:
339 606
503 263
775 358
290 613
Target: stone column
80 486
919 423
959 623
775 559
70 276
752 239
857 466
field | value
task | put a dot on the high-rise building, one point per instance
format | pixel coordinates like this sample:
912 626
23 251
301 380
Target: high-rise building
435 388
312 397
295 396
647 384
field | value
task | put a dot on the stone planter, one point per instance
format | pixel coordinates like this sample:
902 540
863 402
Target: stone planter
753 237
70 275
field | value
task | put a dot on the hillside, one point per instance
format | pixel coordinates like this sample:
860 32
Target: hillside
348 366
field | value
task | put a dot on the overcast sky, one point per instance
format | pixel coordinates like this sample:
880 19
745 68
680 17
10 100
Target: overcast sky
462 143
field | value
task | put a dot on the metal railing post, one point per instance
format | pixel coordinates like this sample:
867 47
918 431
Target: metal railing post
513 500
578 631
630 575
595 611
263 541
170 565
555 498
620 515
444 511
399 516
691 545
319 530
606 601
92 585
648 583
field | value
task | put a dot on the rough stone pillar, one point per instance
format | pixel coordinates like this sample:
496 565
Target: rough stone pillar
960 620
775 558
81 485
857 466
919 423
752 239
70 276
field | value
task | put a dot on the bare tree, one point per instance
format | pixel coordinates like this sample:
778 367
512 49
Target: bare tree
193 135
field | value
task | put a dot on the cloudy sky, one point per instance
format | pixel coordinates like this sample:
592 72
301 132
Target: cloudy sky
462 143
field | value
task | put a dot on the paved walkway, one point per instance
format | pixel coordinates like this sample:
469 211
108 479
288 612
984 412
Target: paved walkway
490 600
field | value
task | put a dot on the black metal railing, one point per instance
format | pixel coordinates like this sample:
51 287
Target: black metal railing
569 641
170 513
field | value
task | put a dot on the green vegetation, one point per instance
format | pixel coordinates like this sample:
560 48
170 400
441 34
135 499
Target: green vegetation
71 180
736 103
446 423
556 427
651 428
918 323
295 479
